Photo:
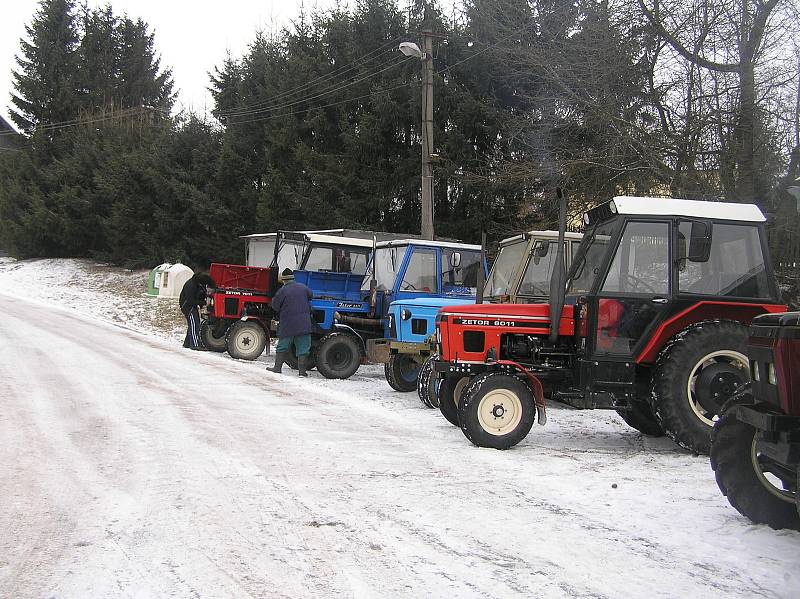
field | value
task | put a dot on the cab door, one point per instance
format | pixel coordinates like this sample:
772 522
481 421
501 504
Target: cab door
632 297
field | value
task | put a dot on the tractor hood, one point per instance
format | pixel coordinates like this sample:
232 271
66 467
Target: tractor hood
533 311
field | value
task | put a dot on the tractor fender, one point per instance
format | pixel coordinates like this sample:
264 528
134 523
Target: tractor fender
343 328
536 387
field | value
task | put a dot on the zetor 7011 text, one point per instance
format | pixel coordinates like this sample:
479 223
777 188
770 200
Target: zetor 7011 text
652 322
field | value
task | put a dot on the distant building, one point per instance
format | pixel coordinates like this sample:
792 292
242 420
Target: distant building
9 138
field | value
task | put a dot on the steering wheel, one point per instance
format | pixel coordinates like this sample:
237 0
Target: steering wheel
638 283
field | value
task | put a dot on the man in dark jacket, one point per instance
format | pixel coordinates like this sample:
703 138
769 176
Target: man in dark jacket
293 307
192 296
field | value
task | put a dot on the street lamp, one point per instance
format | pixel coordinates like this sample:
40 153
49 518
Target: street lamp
412 49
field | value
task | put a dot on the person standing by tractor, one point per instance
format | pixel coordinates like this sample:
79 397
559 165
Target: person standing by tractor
293 308
193 295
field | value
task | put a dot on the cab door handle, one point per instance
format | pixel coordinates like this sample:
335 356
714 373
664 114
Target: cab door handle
660 300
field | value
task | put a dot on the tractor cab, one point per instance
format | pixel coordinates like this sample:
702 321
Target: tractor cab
331 266
524 265
653 324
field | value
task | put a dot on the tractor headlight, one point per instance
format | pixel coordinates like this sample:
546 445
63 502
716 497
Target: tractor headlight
438 335
405 313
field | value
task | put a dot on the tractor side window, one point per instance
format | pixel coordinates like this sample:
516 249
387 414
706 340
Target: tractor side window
589 259
735 267
421 272
536 280
463 278
641 263
386 263
357 261
319 258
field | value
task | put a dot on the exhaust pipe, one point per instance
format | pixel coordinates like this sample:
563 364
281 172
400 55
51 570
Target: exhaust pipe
357 321
559 278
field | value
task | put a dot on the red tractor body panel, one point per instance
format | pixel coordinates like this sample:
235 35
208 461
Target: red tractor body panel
468 332
702 310
239 289
774 349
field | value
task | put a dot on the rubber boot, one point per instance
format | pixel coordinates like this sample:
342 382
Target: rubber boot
280 358
301 366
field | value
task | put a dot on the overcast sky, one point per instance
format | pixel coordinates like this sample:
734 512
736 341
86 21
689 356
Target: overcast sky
192 36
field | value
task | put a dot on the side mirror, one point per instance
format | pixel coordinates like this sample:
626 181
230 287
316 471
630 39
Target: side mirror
455 259
699 242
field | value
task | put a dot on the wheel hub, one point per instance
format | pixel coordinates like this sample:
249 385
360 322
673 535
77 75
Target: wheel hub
498 411
716 384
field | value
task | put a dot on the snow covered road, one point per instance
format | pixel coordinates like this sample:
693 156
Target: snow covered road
130 467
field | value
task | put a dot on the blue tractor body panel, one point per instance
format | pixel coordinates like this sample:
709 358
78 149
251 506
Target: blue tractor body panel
412 321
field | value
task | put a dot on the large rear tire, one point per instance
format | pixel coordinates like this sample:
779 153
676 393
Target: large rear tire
640 416
756 486
428 384
246 340
402 372
338 356
695 375
214 335
496 410
450 390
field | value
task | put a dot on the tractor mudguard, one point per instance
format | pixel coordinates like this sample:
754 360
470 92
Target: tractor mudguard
536 388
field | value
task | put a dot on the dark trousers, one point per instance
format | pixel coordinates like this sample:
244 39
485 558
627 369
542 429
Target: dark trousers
193 332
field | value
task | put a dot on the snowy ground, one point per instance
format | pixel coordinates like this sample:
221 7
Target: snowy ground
130 467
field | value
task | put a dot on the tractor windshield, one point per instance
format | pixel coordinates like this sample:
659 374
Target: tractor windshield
587 264
505 266
386 262
327 258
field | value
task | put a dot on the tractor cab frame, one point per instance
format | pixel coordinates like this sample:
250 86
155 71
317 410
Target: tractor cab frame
658 299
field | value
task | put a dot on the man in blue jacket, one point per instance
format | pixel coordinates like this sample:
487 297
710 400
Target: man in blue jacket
293 307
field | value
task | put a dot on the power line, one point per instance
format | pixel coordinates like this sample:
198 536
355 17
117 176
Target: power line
326 92
74 122
321 79
305 110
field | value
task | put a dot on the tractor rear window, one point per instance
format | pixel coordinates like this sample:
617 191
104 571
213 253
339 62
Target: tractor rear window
735 267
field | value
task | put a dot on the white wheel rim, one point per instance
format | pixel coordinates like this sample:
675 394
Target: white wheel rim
734 357
500 412
771 483
246 342
459 388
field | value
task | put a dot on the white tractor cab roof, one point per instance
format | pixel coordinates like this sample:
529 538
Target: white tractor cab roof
656 206
442 244
547 234
320 238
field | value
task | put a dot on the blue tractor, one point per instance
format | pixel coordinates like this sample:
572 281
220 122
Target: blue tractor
520 274
349 315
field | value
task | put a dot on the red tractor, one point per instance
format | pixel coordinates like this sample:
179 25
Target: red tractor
755 449
652 322
237 314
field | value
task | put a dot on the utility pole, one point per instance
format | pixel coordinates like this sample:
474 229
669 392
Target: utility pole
427 135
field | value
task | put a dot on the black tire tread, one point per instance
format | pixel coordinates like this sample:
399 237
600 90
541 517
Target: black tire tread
391 371
209 341
673 365
736 478
324 347
426 384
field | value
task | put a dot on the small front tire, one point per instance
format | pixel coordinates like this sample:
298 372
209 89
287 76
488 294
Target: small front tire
640 416
213 335
402 372
496 410
246 340
428 384
450 390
